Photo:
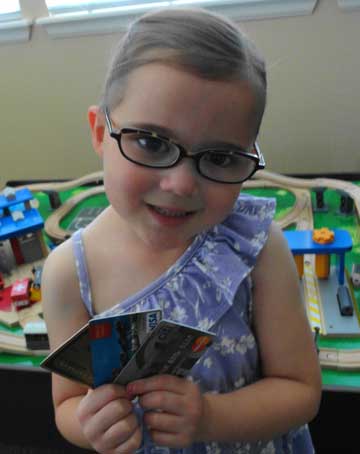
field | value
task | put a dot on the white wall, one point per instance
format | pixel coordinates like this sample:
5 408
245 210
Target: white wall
312 122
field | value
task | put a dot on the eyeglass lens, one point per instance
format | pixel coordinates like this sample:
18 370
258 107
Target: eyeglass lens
149 150
219 165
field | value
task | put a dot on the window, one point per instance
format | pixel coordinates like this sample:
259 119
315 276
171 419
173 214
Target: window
71 6
12 26
68 18
255 7
9 10
80 17
349 5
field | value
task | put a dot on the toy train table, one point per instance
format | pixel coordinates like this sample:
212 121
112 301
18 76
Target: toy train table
328 268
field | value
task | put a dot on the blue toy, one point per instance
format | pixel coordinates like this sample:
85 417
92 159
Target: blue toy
301 242
21 224
30 222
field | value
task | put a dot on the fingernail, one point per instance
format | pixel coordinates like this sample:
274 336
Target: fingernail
130 391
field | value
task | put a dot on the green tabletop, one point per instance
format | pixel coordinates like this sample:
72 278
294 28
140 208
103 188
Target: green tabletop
332 379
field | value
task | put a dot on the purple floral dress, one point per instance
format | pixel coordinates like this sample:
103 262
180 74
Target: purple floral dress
209 287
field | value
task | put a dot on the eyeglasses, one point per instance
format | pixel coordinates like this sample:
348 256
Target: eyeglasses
228 164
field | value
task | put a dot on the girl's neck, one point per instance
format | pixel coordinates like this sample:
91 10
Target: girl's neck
121 237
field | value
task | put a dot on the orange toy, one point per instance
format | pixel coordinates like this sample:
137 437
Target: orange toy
322 261
323 236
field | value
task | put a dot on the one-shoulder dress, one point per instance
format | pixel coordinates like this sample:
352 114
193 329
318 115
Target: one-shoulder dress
210 287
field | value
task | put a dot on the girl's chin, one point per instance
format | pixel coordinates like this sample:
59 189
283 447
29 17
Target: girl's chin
164 243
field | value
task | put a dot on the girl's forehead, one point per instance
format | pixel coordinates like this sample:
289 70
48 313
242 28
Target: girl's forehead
179 100
162 77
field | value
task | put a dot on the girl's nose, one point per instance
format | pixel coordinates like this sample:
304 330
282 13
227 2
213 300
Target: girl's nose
182 180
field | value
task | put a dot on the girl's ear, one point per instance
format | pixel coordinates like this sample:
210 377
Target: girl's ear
97 128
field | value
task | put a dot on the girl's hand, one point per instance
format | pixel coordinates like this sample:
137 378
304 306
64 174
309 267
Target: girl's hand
174 409
108 421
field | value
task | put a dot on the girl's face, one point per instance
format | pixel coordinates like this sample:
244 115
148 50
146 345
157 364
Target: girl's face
166 208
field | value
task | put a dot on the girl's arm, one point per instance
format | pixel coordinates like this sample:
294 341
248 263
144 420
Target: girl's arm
289 394
103 418
286 397
64 315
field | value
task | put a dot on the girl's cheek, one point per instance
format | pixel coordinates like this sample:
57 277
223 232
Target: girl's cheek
224 197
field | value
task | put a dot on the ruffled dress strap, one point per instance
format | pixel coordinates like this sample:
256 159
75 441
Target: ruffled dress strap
202 284
82 270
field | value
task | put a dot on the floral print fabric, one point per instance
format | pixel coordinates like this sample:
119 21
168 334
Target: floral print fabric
210 287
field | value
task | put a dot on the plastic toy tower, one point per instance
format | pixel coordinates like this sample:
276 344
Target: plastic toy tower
322 261
301 242
21 225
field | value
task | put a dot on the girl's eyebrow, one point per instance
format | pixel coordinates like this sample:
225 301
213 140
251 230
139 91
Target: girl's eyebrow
170 134
161 130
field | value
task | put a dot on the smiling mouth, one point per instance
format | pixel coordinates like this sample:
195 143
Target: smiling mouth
171 212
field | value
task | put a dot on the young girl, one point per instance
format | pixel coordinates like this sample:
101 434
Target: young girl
176 130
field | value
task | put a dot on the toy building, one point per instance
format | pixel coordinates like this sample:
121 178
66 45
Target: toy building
322 243
21 239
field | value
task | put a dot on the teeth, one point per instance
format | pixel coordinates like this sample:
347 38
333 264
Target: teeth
172 213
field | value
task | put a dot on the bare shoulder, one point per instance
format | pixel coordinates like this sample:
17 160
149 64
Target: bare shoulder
61 297
276 254
275 276
56 267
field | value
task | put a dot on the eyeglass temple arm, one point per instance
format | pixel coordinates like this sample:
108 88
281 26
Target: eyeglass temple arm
260 155
107 119
113 132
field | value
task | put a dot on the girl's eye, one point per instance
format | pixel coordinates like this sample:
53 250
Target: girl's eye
219 159
152 144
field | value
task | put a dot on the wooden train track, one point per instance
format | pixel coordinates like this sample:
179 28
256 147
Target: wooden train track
301 215
263 178
331 358
52 223
349 188
15 343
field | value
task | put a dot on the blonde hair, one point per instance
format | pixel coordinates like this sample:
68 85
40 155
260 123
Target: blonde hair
196 40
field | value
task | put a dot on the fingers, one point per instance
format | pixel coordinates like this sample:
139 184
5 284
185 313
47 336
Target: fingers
131 445
157 383
116 413
122 437
169 430
108 420
163 422
97 398
169 394
173 409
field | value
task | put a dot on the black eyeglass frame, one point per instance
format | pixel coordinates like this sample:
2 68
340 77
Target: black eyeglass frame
183 153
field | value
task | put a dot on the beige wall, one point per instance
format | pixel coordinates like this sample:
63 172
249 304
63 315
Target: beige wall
312 123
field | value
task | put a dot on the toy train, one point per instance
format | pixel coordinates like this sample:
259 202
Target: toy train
27 291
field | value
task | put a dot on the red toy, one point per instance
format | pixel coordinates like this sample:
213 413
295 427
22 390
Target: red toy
20 294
